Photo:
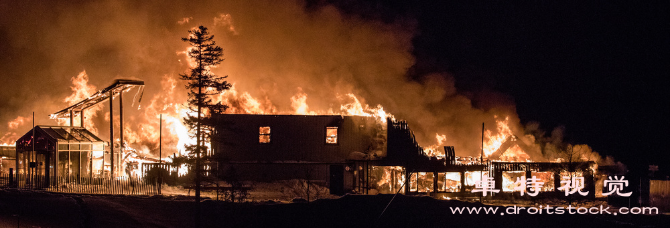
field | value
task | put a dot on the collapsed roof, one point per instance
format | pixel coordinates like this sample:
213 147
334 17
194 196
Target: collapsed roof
117 87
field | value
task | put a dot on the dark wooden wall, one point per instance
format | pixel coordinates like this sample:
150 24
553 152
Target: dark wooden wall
294 138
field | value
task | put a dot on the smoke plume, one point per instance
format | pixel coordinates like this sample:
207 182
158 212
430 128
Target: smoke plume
274 51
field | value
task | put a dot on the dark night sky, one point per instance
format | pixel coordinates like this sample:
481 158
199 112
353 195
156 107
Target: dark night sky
597 69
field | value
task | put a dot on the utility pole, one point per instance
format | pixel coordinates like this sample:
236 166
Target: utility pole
32 157
481 160
481 156
160 152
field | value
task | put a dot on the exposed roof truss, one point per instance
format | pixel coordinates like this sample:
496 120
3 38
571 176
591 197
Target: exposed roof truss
120 85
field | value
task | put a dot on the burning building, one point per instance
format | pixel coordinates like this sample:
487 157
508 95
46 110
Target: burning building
7 158
60 152
281 147
365 155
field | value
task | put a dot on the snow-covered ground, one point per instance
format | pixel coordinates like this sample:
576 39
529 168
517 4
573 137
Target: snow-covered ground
40 209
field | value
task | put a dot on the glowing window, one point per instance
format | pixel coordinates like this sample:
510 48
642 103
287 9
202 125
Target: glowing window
421 182
331 135
449 182
264 134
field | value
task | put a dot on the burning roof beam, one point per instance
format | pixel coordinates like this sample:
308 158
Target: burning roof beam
509 142
117 87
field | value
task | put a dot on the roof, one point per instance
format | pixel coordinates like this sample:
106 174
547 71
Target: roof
8 151
118 86
66 133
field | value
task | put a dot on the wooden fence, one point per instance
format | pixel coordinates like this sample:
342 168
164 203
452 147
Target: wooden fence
83 185
659 194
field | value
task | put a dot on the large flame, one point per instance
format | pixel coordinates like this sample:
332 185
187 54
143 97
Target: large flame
81 90
434 150
11 136
143 130
494 141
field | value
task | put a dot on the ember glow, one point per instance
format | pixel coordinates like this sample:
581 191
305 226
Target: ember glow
389 179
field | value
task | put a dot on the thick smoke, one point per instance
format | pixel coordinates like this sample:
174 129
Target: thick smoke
273 49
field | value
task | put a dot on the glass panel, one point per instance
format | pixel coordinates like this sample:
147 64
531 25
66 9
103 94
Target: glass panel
85 165
440 182
509 178
97 162
74 146
388 179
75 163
452 182
331 135
20 159
425 181
98 146
85 146
62 147
40 165
471 177
63 160
547 178
264 139
412 182
264 136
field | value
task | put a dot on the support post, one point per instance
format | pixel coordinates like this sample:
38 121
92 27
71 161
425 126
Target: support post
408 174
81 118
481 160
435 174
160 139
56 177
111 133
498 179
462 181
160 154
120 125
481 156
71 118
11 176
367 177
557 180
30 161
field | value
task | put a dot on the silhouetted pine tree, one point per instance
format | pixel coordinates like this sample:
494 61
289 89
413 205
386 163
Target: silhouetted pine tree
202 83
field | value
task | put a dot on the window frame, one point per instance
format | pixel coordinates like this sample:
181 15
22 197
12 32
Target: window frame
269 134
337 135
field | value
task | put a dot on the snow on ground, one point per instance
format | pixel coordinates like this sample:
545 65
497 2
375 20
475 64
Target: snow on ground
40 209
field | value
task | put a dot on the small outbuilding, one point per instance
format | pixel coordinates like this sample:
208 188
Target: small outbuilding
7 159
60 152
